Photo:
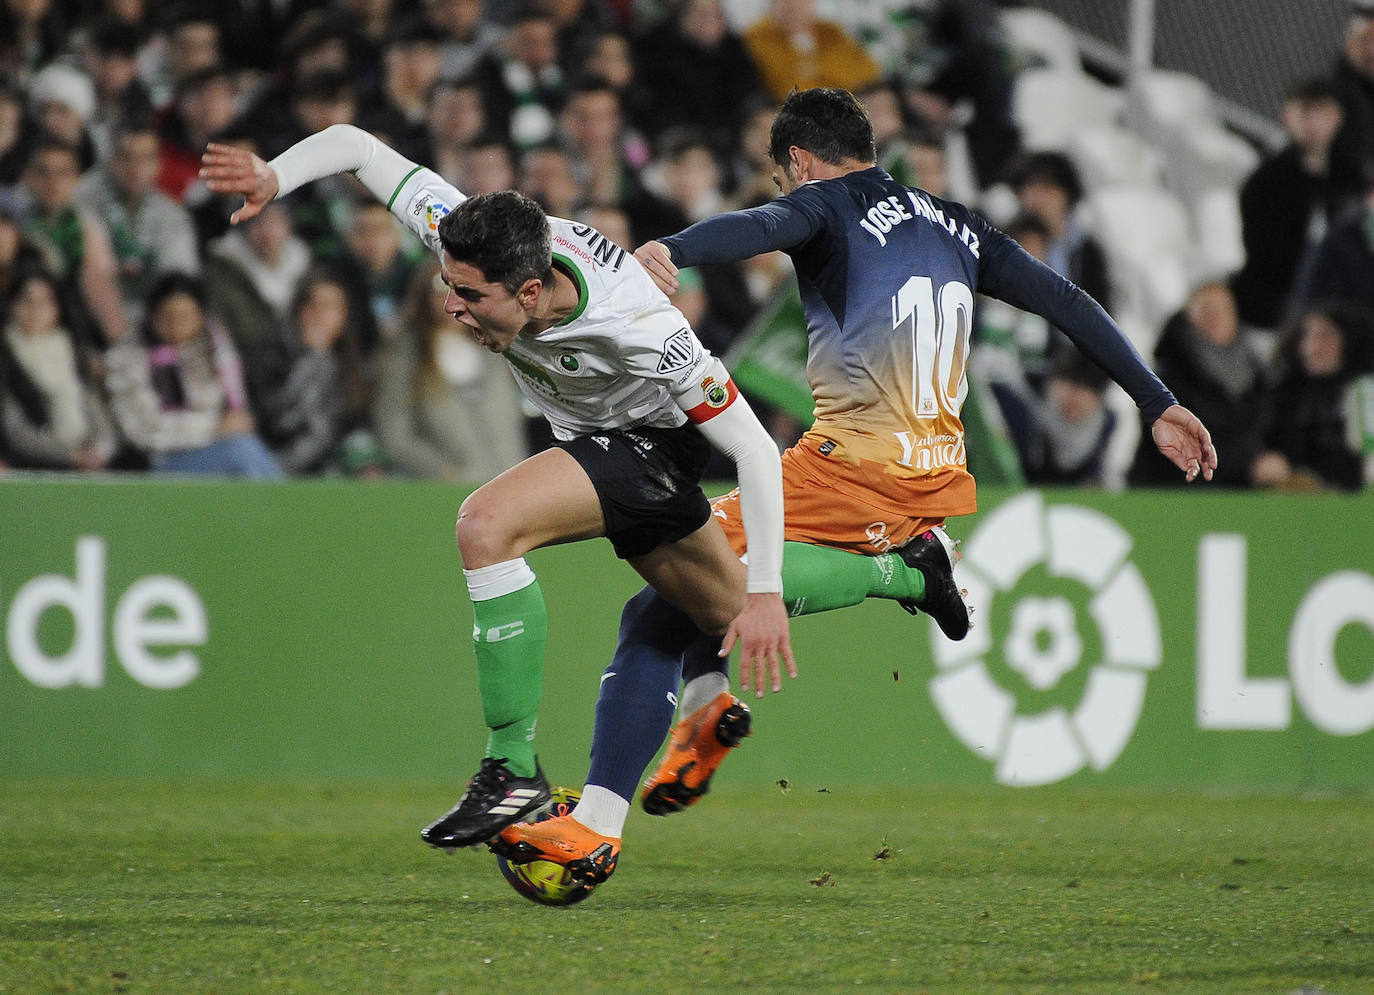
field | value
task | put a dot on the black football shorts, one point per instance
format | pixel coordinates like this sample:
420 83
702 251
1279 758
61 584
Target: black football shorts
648 481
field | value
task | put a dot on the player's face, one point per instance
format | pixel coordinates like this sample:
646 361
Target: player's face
491 313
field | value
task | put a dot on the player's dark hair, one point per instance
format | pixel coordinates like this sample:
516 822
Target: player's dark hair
828 122
504 234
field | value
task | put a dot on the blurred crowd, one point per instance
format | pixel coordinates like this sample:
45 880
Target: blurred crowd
141 332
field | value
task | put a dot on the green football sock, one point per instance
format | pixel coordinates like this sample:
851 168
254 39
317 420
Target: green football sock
509 633
821 578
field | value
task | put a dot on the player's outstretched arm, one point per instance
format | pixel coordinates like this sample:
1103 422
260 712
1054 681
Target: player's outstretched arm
761 630
232 170
1184 441
340 148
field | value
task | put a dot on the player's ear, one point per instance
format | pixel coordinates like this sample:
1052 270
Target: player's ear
798 157
528 294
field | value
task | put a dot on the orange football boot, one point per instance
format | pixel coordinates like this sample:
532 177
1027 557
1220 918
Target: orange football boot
699 743
588 856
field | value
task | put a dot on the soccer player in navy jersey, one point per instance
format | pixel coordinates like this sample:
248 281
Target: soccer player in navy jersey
888 276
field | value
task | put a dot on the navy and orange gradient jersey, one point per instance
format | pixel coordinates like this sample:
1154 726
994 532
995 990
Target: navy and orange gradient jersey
888 275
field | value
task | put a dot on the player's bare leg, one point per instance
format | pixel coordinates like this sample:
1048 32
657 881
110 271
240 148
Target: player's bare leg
544 500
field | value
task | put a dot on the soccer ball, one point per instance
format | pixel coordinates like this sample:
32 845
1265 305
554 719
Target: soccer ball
543 881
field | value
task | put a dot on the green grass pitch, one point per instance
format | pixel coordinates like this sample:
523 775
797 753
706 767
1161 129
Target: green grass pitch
207 887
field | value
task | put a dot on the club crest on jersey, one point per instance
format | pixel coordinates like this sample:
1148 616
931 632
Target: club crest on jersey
569 363
678 352
717 395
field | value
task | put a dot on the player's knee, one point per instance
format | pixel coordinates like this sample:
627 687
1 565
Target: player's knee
482 532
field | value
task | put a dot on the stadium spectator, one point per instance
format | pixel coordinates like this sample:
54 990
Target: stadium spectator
251 276
1215 366
687 176
1048 186
150 233
177 393
316 48
455 118
396 108
256 34
193 43
924 154
607 161
1341 266
74 242
1011 349
750 170
1289 203
445 408
384 255
52 407
1073 426
321 394
953 72
205 106
792 47
466 37
270 254
17 253
18 132
63 101
1354 78
1310 428
608 57
696 72
32 34
368 22
487 165
546 174
112 60
525 86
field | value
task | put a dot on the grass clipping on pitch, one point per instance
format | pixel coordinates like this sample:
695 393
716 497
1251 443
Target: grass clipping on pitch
248 888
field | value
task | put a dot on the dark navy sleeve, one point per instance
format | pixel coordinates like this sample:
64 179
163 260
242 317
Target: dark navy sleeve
1010 273
779 224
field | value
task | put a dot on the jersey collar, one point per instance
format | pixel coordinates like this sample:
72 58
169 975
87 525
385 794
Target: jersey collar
573 273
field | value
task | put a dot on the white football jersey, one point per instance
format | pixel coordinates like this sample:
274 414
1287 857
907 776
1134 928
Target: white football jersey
625 357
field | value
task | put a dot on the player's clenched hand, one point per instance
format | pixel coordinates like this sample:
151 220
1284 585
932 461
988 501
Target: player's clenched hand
655 257
227 169
762 634
1184 440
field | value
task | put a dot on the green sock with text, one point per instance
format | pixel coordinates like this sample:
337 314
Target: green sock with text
821 578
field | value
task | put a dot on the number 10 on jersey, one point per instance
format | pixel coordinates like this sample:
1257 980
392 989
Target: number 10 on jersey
939 342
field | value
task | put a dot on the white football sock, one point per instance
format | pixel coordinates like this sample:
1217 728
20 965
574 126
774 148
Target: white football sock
602 811
701 691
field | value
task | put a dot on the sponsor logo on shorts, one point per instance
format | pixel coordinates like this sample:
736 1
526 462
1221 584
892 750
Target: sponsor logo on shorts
678 352
827 447
603 442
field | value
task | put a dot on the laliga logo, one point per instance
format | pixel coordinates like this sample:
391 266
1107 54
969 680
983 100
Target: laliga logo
1078 554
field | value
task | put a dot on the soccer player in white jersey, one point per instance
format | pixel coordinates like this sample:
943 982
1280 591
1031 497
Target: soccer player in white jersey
629 391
